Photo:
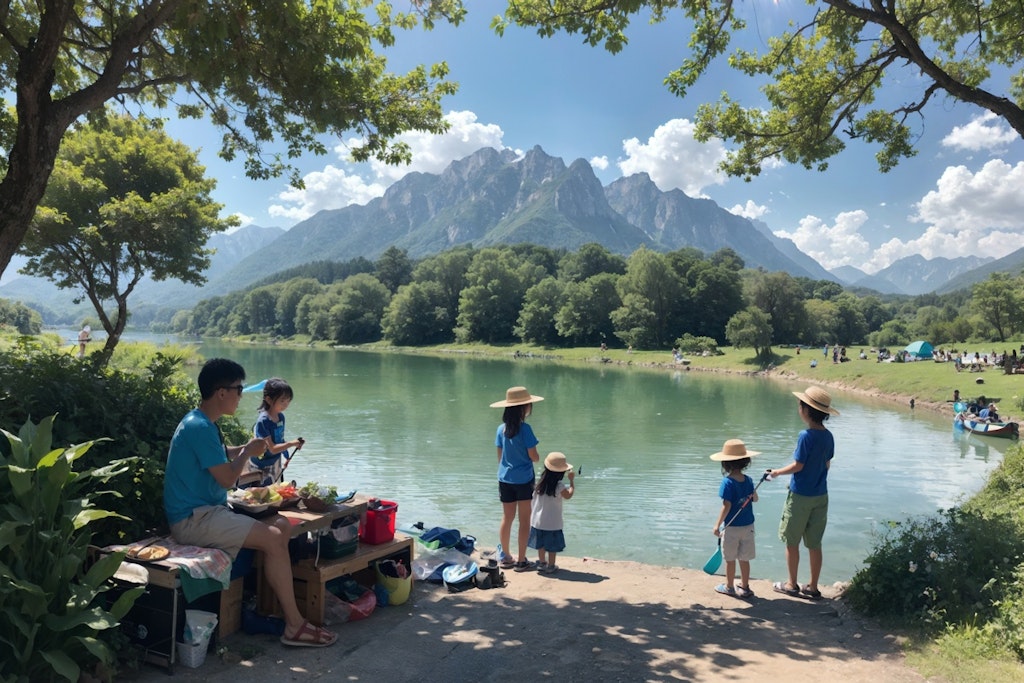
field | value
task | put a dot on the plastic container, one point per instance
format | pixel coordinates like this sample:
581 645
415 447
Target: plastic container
379 526
396 589
192 656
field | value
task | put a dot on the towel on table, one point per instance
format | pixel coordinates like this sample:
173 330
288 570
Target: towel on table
206 570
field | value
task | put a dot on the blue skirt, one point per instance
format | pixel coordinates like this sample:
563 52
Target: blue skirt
551 541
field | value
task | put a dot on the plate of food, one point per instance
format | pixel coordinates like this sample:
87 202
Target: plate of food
244 500
289 495
147 551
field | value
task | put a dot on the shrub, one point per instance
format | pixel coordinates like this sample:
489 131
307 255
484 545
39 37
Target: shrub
697 345
948 569
50 608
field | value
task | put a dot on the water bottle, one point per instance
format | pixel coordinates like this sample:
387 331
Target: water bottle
499 553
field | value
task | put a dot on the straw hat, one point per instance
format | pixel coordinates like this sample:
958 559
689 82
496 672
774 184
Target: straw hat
818 398
733 449
556 462
516 396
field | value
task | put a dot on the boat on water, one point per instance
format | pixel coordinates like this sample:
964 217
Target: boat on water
970 423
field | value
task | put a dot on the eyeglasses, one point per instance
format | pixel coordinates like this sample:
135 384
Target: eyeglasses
235 387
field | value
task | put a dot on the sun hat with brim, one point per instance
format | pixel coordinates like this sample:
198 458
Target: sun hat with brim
733 449
516 396
556 462
817 398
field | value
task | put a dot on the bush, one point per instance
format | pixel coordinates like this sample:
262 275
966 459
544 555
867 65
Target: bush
137 410
697 345
51 613
953 568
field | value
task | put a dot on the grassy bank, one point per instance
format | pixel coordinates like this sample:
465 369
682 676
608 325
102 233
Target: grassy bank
930 384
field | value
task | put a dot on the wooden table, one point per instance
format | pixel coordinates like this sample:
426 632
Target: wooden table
310 575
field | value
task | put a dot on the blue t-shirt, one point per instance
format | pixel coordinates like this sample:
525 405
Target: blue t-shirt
736 492
196 446
263 428
814 448
515 466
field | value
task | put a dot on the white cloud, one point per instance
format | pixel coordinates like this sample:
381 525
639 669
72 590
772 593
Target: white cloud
978 213
331 188
835 245
433 153
600 163
334 188
243 220
985 132
673 159
749 210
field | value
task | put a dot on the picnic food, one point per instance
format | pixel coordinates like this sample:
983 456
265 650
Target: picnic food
286 491
151 553
315 490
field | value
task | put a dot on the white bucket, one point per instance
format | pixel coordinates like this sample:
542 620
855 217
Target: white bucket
192 656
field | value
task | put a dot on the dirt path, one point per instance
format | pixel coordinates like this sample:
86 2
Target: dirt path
592 621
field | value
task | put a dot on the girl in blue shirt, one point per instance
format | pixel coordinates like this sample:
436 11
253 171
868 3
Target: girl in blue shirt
517 451
737 492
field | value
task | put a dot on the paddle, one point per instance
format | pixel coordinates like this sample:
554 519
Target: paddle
255 387
715 561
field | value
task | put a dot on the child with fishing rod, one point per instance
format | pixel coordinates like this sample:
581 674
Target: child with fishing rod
546 535
277 396
735 536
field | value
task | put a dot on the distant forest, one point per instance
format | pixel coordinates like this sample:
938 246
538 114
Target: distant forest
550 297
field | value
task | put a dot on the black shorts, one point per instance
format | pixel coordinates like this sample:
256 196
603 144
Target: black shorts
511 493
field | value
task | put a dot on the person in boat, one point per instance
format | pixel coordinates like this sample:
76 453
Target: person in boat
989 413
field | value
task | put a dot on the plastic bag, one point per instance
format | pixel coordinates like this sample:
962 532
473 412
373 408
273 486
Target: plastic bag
430 561
199 626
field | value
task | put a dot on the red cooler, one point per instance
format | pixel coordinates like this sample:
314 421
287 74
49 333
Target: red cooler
379 526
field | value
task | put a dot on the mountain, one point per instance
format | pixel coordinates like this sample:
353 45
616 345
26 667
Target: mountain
847 275
150 299
1012 263
493 197
918 275
788 248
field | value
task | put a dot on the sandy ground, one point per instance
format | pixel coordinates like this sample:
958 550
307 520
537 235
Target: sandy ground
592 621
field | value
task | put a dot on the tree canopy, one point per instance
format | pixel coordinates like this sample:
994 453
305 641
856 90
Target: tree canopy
275 76
124 201
821 80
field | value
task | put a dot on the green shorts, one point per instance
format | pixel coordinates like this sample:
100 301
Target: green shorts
804 518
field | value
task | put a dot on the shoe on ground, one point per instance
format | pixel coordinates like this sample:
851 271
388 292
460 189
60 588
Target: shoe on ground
725 590
524 566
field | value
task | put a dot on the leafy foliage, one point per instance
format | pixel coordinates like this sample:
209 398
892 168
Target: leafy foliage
962 568
268 74
125 201
51 614
822 78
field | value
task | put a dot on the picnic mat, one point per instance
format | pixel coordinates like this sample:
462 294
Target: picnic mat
205 570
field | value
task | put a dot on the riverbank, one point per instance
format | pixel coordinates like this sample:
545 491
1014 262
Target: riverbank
591 621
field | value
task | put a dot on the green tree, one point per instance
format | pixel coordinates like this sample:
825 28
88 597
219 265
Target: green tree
822 77
715 295
651 294
781 297
752 328
276 76
418 315
998 300
259 306
19 316
589 260
822 322
356 317
536 322
585 315
288 302
124 201
489 305
447 269
851 327
394 268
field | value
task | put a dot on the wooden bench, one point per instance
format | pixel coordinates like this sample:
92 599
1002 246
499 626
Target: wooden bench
310 577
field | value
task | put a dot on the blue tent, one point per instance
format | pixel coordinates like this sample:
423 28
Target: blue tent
919 349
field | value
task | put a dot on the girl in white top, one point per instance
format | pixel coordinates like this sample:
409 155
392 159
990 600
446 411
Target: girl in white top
546 515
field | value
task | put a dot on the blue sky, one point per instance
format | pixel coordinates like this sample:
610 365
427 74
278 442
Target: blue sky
962 194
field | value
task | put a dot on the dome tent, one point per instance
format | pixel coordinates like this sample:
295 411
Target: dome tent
919 349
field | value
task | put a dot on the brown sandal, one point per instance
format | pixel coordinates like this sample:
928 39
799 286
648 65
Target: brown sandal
309 635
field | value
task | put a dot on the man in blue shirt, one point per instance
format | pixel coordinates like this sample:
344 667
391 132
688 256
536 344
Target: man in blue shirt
200 470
